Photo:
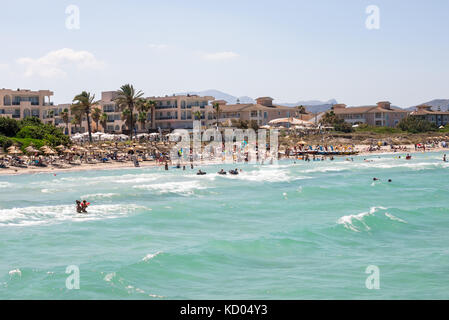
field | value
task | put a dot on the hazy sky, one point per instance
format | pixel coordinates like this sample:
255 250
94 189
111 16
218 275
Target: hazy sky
289 50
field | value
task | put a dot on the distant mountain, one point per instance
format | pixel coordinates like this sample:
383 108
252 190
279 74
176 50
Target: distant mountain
313 106
309 103
218 95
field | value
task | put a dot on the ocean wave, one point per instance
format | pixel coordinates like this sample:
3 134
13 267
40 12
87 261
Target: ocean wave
15 272
267 175
5 184
29 216
358 223
151 256
99 196
178 187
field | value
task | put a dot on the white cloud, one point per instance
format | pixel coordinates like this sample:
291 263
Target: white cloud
55 63
226 55
157 46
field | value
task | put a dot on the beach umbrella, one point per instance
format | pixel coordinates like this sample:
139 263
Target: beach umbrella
14 151
30 149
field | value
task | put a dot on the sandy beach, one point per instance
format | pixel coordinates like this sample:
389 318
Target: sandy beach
361 149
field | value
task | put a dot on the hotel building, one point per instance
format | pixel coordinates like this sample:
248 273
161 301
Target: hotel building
263 111
379 115
21 103
439 118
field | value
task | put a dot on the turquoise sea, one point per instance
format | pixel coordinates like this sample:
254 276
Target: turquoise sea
286 231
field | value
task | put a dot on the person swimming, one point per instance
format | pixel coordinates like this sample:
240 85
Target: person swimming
81 207
375 179
234 172
84 206
221 172
200 173
78 206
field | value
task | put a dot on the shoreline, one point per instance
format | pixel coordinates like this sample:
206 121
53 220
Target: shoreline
13 171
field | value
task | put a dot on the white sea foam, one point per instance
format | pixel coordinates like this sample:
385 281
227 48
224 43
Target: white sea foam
392 217
151 256
15 272
267 175
109 277
5 184
348 221
179 187
99 196
53 214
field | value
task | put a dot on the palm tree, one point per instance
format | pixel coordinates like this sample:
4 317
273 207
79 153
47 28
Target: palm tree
126 116
301 109
96 114
65 116
76 120
127 99
197 115
142 107
103 121
83 104
142 118
152 107
51 115
217 112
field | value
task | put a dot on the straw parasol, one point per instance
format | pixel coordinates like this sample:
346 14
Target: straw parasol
30 149
14 150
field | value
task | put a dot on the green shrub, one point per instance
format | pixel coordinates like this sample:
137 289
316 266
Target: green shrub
415 125
5 142
8 127
48 132
26 142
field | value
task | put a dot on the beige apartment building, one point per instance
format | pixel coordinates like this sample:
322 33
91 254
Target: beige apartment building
263 111
171 112
22 103
379 115
439 118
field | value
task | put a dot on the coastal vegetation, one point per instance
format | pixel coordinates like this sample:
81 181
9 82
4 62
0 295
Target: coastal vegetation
30 131
127 99
331 119
82 106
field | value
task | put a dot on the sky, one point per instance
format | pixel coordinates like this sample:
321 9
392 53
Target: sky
289 50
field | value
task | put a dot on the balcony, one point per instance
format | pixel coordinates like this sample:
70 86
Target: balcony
166 107
167 118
